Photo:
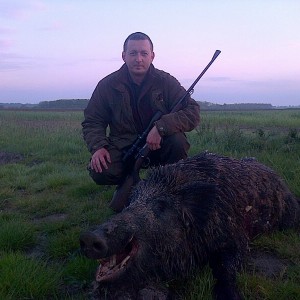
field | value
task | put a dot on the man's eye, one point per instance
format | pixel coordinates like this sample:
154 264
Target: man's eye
144 53
133 53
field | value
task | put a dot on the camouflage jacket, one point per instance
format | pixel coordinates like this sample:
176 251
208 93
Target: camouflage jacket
110 119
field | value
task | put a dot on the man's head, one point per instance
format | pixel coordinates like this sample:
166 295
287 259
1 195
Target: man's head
138 54
137 36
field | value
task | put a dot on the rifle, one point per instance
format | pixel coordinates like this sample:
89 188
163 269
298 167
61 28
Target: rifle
121 196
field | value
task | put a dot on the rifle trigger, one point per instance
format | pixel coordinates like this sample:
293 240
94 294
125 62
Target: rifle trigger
146 163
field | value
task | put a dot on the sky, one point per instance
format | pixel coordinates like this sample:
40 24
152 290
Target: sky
60 49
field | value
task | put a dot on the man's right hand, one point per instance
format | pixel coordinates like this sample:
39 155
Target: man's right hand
100 160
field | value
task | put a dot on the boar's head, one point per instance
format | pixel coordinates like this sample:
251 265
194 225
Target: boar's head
157 235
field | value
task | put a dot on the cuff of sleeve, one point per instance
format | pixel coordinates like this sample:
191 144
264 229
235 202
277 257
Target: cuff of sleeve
97 147
160 128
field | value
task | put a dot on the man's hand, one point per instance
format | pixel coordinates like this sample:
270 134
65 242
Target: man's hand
153 139
100 160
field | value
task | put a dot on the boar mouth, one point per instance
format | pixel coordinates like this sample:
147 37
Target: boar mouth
115 265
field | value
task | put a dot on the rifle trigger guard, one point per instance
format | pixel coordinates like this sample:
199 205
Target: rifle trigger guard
192 92
146 163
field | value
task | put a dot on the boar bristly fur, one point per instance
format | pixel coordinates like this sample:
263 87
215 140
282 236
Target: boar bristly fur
204 209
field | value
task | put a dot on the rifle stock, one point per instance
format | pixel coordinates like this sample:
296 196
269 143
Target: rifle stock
121 196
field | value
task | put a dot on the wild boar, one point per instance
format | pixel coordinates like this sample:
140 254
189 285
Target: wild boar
204 209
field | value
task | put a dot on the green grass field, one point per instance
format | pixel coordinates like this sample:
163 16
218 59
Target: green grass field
47 199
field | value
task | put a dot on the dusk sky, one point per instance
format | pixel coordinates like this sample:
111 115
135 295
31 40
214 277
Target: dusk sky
60 49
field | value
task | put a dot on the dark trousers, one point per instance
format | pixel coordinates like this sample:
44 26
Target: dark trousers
173 148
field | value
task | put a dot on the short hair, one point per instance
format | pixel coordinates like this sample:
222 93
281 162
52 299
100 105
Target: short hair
137 36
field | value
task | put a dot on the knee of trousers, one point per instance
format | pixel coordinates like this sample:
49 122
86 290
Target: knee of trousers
174 148
106 177
177 141
115 172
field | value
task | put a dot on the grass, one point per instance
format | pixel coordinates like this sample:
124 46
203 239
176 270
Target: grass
26 278
286 244
16 233
47 199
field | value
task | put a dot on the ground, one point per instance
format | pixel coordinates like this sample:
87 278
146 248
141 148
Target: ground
266 264
8 157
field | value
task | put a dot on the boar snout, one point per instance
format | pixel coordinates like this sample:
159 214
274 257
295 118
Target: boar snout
93 245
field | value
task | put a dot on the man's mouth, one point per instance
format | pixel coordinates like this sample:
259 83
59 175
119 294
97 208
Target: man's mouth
139 66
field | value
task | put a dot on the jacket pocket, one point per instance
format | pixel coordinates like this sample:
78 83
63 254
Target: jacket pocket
158 101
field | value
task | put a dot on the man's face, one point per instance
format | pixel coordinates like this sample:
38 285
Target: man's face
138 57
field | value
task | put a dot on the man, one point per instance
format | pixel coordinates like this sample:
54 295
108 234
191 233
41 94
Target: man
121 107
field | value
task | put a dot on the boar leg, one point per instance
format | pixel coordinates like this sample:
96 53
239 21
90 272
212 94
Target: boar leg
224 266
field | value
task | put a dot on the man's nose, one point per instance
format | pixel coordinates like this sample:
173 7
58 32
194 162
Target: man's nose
139 57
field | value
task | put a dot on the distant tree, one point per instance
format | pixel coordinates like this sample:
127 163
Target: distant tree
67 104
237 106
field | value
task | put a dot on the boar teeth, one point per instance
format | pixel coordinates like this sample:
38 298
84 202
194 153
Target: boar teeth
112 261
125 261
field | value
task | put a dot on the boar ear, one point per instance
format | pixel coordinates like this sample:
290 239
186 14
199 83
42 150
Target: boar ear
197 202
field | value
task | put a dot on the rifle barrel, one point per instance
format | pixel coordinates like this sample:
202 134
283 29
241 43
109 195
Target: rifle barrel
216 54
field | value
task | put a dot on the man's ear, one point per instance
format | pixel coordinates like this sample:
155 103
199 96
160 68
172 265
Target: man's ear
152 55
123 56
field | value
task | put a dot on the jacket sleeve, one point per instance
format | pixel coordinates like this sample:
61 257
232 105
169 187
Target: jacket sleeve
186 118
96 121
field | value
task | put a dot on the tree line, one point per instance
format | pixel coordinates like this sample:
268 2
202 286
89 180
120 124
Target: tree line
80 104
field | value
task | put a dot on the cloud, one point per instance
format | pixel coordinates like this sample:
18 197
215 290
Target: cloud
12 62
19 10
112 59
55 25
5 30
219 79
5 44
